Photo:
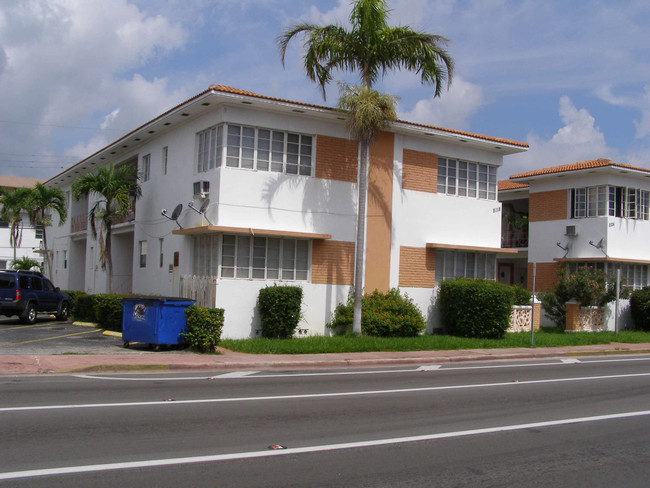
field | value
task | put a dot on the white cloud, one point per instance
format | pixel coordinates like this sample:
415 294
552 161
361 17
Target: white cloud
578 140
640 102
453 109
63 68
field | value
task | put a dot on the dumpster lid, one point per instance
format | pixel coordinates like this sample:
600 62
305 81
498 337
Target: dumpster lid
157 299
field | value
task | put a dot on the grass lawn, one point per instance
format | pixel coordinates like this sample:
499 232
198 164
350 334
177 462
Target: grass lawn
321 344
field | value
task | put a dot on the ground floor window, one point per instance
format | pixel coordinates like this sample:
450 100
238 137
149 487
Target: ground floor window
270 258
206 255
462 264
633 275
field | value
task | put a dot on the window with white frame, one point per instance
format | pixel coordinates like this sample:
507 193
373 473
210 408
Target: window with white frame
160 246
615 201
465 264
165 152
255 148
264 258
633 275
146 167
143 254
467 179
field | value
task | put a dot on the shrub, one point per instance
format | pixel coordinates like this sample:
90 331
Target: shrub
203 328
74 296
279 308
83 308
382 314
476 308
588 286
108 311
640 308
522 296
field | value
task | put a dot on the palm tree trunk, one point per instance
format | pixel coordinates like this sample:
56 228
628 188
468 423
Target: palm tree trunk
359 261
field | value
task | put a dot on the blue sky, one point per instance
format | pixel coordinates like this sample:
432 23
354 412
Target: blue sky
571 78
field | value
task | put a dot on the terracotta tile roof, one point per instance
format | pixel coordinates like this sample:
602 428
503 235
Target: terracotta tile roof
499 140
504 185
18 182
581 165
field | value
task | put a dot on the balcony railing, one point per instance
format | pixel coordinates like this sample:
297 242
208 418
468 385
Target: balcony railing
79 223
514 238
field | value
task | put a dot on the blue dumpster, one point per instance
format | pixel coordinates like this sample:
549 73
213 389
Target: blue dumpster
154 320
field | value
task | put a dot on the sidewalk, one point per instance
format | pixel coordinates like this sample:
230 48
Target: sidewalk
229 361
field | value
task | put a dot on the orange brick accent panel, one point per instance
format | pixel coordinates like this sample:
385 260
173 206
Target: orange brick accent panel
420 171
336 159
545 278
332 262
572 317
548 205
417 267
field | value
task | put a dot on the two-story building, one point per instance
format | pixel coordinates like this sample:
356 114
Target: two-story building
593 213
241 191
30 241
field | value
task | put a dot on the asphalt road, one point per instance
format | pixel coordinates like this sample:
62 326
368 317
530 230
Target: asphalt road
549 423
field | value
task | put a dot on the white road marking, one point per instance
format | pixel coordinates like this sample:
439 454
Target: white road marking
430 367
234 374
441 367
309 449
320 395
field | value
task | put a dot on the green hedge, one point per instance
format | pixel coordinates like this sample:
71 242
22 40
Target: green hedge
74 296
640 308
475 308
83 308
382 314
280 310
203 327
108 311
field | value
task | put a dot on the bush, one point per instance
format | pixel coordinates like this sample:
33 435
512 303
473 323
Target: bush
476 308
382 314
83 309
522 296
203 328
279 308
640 308
108 311
74 296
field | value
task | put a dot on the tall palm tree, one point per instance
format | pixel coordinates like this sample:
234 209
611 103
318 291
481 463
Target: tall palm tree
370 48
42 200
114 188
14 206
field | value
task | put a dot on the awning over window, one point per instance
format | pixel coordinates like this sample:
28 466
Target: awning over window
220 229
456 247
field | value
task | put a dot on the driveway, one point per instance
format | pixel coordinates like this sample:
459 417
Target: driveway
48 336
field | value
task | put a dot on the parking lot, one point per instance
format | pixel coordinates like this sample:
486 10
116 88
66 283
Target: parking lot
49 336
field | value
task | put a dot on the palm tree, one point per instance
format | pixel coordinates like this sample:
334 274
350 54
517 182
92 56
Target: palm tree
370 48
42 200
14 205
114 187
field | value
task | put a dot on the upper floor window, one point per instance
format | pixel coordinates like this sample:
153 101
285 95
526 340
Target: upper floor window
465 179
165 152
143 254
462 264
615 201
146 167
255 148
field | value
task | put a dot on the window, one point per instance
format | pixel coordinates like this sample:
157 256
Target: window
255 148
38 231
632 275
599 201
206 258
3 265
165 152
146 167
143 254
467 179
264 258
160 242
65 259
461 264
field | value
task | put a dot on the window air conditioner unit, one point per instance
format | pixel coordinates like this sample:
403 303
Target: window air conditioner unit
201 189
571 231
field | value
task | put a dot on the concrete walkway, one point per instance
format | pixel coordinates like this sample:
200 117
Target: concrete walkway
228 360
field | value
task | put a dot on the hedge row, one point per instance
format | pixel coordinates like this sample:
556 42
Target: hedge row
640 309
103 309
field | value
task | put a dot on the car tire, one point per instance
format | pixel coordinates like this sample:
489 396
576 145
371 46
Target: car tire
64 311
29 316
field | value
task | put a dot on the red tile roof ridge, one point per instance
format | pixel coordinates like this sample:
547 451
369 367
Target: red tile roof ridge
580 165
237 91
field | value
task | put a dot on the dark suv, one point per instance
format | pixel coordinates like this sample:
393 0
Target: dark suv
26 293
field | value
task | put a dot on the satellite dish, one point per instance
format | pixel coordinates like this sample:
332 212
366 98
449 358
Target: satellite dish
204 206
177 211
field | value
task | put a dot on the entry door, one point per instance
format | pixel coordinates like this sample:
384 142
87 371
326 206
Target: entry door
506 273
